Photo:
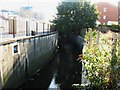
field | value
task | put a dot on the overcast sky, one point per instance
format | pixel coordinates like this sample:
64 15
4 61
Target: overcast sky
47 7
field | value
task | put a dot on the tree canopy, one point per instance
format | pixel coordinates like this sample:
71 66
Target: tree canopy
75 16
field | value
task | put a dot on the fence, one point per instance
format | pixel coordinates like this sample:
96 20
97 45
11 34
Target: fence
18 26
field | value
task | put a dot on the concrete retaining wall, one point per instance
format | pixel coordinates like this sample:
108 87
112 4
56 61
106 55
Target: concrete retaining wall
21 58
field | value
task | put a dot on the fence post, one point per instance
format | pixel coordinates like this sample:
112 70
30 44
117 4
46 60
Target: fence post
90 36
113 74
1 28
13 28
36 27
98 36
43 27
48 29
119 44
26 28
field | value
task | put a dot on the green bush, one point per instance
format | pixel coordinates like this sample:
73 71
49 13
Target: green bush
98 62
114 28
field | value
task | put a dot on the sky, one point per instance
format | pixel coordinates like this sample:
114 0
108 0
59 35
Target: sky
46 7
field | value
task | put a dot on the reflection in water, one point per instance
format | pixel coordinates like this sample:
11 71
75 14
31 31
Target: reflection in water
62 72
58 74
53 85
69 68
43 78
68 73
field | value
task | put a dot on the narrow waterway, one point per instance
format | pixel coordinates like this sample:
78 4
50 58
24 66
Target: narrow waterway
45 78
57 74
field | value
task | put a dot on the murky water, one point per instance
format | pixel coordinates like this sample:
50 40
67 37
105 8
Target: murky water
45 78
58 74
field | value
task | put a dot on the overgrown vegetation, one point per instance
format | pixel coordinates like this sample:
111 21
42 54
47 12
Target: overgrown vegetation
102 66
114 28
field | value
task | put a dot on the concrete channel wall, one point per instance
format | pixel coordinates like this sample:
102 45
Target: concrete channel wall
22 57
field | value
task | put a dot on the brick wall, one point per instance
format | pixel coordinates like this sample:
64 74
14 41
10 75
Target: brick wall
119 11
110 14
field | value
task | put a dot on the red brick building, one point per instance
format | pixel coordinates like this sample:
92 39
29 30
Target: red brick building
107 12
119 12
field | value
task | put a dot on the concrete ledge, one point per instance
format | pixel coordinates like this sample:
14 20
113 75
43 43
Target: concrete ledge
12 40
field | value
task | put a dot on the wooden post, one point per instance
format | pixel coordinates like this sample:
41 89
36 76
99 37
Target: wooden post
113 74
98 36
119 44
114 36
90 36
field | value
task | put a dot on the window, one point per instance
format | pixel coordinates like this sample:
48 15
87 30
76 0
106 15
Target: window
16 49
104 9
104 17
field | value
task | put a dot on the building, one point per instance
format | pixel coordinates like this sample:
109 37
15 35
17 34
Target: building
26 12
107 12
119 12
5 13
38 15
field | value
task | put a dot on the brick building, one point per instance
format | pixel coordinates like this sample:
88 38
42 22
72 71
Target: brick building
119 12
107 12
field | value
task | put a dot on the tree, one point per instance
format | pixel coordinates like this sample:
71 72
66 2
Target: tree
75 16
